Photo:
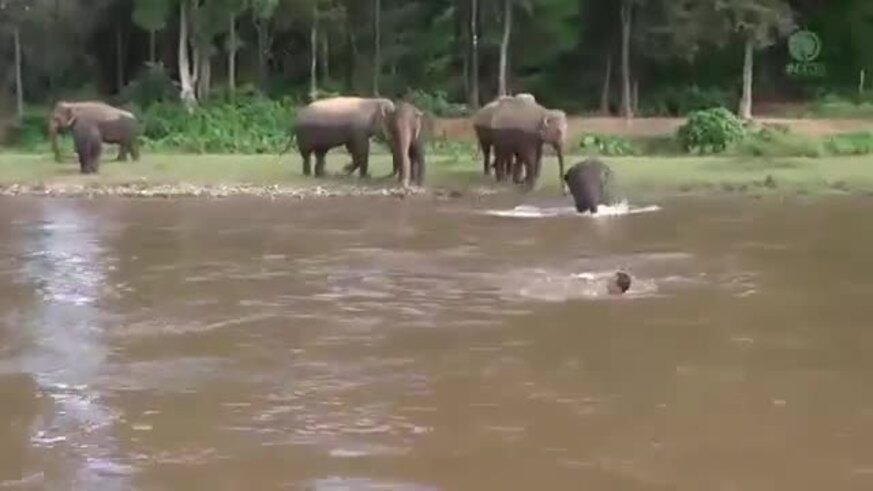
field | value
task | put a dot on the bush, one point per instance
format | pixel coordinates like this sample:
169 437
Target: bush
860 143
437 103
679 101
152 86
609 145
710 131
769 142
248 125
30 132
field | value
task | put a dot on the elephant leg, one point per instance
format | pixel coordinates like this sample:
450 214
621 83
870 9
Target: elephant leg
486 161
122 152
528 158
306 155
360 150
319 162
416 155
134 150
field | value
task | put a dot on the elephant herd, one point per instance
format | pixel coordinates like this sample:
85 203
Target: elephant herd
513 128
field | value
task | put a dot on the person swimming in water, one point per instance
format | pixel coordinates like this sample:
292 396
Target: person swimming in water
619 283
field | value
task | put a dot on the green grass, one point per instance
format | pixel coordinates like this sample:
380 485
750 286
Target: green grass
635 175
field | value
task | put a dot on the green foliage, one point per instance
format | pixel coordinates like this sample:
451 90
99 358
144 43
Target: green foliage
437 103
682 100
777 142
152 86
250 125
610 145
858 143
29 133
710 131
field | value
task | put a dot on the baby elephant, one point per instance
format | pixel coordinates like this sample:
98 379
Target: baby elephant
588 183
405 126
89 144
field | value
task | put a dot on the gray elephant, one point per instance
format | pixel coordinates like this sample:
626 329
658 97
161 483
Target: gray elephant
405 126
89 144
519 130
482 125
348 121
590 183
116 126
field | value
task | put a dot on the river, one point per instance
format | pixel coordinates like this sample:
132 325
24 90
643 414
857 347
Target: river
424 344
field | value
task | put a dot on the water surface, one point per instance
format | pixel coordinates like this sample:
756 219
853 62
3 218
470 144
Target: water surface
430 345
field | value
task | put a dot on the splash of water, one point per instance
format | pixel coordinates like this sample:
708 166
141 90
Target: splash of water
529 211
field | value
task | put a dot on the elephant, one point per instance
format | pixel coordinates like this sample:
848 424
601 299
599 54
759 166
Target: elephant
116 126
589 182
89 144
482 124
405 126
520 128
349 121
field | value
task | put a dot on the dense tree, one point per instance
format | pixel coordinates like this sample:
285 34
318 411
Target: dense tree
615 55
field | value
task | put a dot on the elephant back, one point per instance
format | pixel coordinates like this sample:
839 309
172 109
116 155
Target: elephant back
484 117
342 111
518 114
94 111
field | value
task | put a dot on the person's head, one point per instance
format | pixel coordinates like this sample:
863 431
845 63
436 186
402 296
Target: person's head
620 283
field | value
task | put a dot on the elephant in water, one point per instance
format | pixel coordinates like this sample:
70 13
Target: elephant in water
483 125
519 130
348 121
589 182
116 126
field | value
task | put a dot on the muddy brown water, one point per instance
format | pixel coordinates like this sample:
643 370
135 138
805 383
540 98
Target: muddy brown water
423 345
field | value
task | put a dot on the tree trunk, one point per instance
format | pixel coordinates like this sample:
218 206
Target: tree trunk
377 48
351 66
187 94
504 46
203 67
626 19
263 39
19 86
746 99
153 48
119 59
635 95
607 85
325 56
313 56
231 57
474 54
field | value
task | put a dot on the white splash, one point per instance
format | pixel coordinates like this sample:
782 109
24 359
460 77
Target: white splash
529 211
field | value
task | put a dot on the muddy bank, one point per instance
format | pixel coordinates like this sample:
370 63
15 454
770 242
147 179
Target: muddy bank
145 190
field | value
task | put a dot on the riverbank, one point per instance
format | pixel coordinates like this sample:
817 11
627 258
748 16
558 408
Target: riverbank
459 174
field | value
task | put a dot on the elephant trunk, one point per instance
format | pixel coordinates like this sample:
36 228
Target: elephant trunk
559 150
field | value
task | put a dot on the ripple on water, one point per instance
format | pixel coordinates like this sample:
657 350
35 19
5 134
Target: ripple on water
362 484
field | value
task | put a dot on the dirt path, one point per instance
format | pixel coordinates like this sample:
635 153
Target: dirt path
461 128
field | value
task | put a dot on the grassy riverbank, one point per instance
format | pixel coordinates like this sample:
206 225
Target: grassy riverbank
636 175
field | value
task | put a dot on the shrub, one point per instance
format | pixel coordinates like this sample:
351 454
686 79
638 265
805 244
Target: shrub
769 142
436 103
679 101
609 145
152 86
251 125
710 131
860 143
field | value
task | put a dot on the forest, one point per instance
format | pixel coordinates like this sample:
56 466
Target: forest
610 57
